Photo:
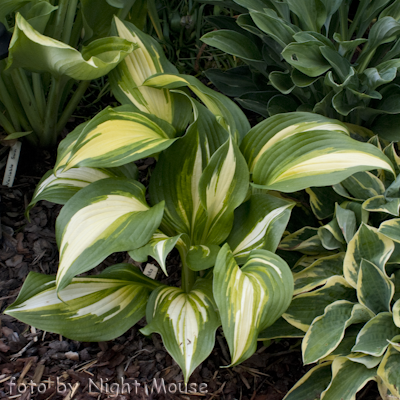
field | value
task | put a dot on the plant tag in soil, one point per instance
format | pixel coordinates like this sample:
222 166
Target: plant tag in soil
12 163
150 271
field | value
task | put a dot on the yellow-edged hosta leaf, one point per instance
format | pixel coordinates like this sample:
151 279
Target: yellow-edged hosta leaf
35 52
92 308
327 330
279 127
305 240
348 378
280 329
381 204
307 306
250 298
374 337
186 321
115 137
368 244
391 229
107 216
228 113
315 158
258 224
331 235
396 313
389 369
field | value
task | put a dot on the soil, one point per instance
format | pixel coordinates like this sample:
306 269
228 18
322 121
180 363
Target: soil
44 364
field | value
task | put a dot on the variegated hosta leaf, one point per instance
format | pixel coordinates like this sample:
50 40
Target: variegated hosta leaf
258 224
368 361
178 172
389 369
322 201
331 235
396 313
368 244
391 229
347 222
250 298
312 384
346 344
375 334
186 321
159 246
315 158
61 186
279 127
222 187
107 216
148 59
228 113
201 257
91 308
374 289
35 52
381 204
305 240
115 137
318 273
307 306
327 330
348 378
280 329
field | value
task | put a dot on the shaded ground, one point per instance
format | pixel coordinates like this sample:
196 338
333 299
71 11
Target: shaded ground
29 356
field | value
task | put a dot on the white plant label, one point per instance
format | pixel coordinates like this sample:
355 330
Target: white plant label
12 163
150 271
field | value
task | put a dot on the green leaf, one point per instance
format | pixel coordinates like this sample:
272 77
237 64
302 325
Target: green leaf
90 309
368 244
159 246
347 379
234 43
382 204
388 370
391 229
115 137
250 298
186 321
375 334
322 201
202 257
31 50
280 329
258 224
327 330
305 240
312 14
318 273
331 235
107 216
312 384
362 186
396 313
307 306
347 222
374 289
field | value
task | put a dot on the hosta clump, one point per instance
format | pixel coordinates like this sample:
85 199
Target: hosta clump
337 58
208 198
346 303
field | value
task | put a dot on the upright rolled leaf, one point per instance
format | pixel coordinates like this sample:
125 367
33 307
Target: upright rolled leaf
107 216
250 298
186 321
38 53
92 308
388 370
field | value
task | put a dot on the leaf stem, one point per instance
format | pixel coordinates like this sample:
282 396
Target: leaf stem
60 19
344 25
188 276
39 93
69 21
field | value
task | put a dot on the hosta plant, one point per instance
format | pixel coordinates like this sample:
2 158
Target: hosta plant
346 303
336 58
213 195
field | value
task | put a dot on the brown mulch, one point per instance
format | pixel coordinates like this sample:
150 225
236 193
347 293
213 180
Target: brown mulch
43 365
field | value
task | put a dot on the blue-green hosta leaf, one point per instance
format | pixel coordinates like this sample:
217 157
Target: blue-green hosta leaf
128 77
60 187
327 330
275 129
396 313
258 224
364 359
250 298
362 186
347 343
348 378
228 113
159 246
374 289
38 53
186 321
305 240
307 306
322 201
280 329
382 204
117 137
315 158
347 222
312 14
369 244
318 273
312 384
391 229
375 334
222 187
388 371
201 257
91 308
107 216
331 235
